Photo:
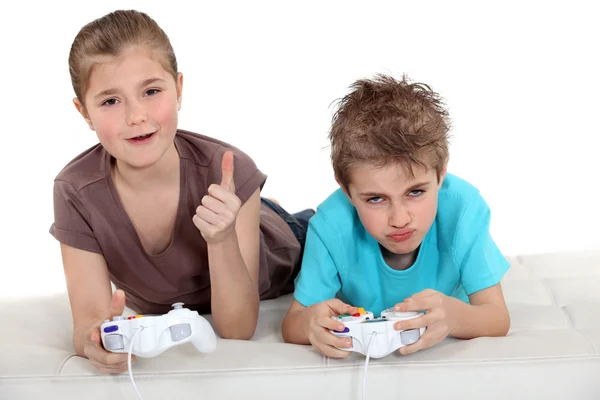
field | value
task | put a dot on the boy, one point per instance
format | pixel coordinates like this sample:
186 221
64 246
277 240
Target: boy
400 231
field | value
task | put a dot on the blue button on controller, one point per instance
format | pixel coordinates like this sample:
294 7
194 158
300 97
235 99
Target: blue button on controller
111 328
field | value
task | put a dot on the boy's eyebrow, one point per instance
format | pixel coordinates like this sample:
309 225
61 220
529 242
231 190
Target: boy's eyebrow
410 189
109 92
417 185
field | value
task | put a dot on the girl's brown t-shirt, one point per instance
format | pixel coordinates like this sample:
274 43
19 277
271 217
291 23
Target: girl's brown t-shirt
88 215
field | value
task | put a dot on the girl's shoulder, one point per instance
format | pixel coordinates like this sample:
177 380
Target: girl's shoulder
204 154
86 168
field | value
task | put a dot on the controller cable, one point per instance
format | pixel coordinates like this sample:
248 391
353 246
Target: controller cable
364 396
129 361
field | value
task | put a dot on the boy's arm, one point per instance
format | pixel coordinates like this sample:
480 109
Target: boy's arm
487 315
295 324
448 316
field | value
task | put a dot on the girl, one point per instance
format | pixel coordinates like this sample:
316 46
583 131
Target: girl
166 214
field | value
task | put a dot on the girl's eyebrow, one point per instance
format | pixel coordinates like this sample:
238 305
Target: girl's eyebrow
111 91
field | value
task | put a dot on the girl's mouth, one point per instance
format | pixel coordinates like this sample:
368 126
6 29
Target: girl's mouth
141 138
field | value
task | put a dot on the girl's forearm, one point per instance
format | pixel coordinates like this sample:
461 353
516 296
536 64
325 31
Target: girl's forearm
234 295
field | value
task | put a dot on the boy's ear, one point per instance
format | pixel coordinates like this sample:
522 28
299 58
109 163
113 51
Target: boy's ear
443 174
344 188
81 109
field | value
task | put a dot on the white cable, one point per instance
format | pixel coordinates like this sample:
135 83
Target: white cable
129 361
364 396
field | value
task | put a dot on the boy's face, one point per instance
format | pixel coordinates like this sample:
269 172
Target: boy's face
394 208
132 104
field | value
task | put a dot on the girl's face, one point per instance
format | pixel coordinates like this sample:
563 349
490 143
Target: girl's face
132 104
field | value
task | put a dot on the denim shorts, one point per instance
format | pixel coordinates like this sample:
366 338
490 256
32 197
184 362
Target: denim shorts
297 222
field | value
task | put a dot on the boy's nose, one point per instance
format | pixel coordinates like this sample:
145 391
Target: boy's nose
399 218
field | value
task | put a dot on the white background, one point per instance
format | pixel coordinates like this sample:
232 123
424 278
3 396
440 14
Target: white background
520 79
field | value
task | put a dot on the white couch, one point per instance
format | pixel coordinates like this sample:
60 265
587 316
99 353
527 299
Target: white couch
551 352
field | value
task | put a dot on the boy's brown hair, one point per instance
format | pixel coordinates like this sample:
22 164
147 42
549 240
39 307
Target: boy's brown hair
383 121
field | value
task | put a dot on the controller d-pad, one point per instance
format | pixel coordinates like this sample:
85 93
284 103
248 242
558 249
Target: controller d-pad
180 332
410 336
114 342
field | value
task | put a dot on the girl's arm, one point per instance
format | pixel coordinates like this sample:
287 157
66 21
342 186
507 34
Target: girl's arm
231 232
233 265
88 285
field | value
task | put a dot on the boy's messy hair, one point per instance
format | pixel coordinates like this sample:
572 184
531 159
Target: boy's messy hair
111 35
383 121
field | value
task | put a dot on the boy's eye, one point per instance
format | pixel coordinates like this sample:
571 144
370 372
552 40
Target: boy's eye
151 92
375 200
109 102
416 193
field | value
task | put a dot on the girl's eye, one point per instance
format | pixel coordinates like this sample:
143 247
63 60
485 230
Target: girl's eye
375 200
110 102
151 92
416 193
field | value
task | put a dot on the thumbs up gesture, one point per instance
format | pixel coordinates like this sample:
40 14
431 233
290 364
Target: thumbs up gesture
215 218
102 360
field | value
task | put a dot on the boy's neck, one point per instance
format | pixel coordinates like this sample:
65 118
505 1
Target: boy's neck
399 262
164 172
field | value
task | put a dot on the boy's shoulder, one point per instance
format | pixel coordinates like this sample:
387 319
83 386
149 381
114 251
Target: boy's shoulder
456 190
337 213
461 208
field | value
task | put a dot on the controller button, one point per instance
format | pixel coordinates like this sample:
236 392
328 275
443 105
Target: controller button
346 330
114 342
119 318
111 328
139 316
410 336
180 332
177 306
356 315
343 315
361 311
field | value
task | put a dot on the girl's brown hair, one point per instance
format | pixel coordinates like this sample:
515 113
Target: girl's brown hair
383 121
111 35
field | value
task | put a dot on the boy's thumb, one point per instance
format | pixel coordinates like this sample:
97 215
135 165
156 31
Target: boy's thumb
117 305
339 307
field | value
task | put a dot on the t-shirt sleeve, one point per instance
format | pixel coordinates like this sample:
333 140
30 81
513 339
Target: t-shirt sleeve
318 279
71 220
246 175
481 263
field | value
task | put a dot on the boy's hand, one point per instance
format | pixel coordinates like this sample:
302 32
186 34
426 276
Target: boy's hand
319 323
215 218
105 361
438 319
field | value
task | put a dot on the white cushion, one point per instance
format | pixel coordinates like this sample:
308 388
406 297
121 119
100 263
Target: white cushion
552 351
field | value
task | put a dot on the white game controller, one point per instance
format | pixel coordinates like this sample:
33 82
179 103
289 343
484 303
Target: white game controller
377 334
153 335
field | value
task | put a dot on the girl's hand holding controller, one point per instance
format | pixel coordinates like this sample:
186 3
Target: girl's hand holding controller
320 322
104 361
438 319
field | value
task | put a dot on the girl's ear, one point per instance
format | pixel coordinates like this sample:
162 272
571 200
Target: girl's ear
81 109
179 83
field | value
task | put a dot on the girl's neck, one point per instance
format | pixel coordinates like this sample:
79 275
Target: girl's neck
164 172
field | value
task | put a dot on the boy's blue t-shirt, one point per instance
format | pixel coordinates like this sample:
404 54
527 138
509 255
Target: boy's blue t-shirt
457 256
